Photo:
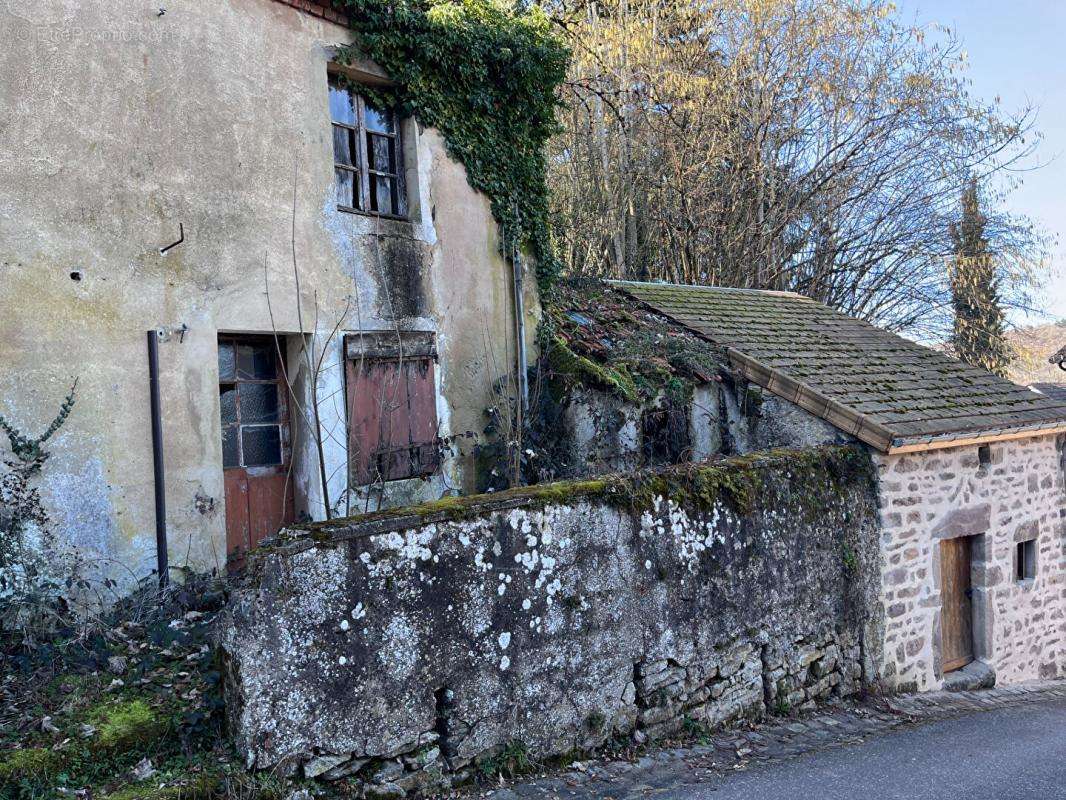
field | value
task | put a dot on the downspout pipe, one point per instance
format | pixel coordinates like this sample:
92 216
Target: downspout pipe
162 566
520 332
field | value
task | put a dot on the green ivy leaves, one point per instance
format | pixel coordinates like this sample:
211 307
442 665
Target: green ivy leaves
485 75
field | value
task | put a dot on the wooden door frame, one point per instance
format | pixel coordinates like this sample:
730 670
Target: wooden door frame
235 555
981 607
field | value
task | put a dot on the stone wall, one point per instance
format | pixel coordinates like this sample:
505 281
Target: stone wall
602 432
1019 626
409 647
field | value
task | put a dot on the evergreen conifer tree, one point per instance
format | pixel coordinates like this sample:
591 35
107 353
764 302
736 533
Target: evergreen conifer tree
979 322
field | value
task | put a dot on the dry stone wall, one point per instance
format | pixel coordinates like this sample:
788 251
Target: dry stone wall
1019 625
409 648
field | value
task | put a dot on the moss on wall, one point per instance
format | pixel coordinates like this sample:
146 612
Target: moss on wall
740 482
571 368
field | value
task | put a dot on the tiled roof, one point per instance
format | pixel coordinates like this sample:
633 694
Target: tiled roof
888 391
1056 391
603 325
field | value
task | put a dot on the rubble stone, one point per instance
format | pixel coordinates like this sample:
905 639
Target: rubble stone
543 628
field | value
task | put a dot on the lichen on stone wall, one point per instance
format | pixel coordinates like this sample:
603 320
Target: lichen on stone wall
460 629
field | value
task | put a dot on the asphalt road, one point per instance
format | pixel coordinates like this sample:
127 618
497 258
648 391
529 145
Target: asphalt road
1006 754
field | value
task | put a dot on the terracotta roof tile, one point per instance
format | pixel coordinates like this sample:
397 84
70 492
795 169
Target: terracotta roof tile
326 9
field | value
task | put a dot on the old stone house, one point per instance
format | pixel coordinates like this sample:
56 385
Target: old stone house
972 468
203 179
801 505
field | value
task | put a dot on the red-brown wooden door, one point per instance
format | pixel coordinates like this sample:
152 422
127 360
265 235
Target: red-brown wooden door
956 618
255 441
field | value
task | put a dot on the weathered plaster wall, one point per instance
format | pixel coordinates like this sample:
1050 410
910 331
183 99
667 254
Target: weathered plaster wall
120 125
782 423
602 432
1020 627
406 646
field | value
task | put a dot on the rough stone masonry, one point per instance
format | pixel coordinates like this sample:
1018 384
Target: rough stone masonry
407 648
1018 495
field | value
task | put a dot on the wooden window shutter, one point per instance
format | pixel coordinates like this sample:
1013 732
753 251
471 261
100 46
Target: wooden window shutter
393 418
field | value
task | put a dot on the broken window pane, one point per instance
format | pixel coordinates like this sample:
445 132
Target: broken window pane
231 456
378 120
256 362
346 188
226 361
228 401
380 151
259 402
340 105
381 194
342 146
262 446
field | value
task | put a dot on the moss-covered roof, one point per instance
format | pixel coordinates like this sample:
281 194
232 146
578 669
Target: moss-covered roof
632 350
889 391
1056 391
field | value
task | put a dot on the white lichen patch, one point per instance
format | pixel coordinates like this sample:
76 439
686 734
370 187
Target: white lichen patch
691 537
400 551
399 648
504 639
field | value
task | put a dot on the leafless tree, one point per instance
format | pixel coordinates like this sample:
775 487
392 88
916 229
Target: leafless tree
818 146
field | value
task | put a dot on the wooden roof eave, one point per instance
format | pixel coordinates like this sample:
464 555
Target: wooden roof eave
865 429
963 439
832 411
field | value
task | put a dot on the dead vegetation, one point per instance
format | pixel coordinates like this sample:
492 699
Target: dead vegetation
125 705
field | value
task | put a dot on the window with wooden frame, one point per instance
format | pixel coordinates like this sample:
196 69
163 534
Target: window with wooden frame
367 154
392 401
1025 560
253 403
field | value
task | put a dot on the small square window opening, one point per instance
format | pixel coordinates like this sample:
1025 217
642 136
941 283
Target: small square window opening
984 455
1025 560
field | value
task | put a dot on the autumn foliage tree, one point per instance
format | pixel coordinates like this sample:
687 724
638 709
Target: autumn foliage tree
818 146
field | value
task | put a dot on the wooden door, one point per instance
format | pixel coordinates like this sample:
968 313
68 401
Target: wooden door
956 619
255 442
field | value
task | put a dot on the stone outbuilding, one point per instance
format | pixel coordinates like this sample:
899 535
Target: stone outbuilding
972 477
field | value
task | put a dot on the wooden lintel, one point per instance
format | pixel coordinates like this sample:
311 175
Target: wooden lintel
969 441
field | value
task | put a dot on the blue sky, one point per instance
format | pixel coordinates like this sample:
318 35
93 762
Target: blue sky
1017 50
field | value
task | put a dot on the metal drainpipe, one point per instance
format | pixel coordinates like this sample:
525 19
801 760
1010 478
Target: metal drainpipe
157 460
520 332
